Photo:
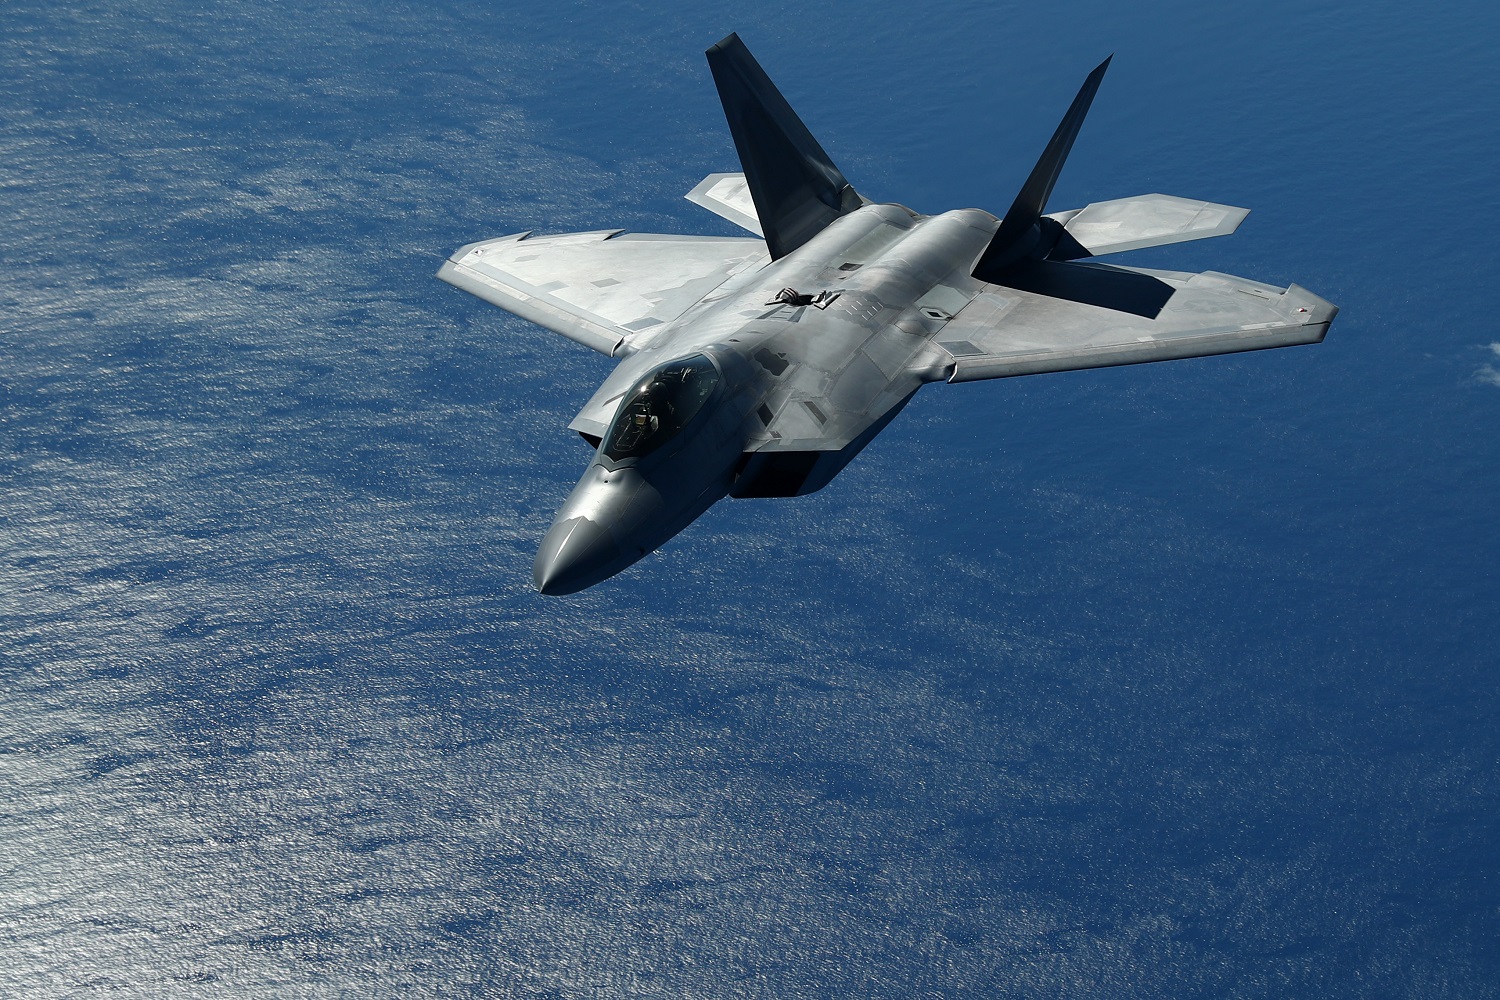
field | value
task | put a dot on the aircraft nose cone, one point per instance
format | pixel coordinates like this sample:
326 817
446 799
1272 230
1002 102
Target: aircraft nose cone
575 554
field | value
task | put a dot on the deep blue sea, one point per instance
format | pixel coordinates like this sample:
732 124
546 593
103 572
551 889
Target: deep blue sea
1168 681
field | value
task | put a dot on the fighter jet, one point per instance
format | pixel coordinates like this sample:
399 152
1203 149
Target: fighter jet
760 366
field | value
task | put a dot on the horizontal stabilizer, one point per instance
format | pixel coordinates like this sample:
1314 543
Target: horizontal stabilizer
1149 220
796 189
727 196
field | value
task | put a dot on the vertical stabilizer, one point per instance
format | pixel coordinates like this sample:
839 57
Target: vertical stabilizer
1031 253
1014 239
795 186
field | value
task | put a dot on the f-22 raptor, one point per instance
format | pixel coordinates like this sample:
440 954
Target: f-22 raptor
759 367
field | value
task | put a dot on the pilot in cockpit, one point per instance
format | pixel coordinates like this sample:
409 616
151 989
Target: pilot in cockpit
660 407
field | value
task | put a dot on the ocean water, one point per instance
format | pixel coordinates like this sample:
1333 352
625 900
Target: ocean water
1165 681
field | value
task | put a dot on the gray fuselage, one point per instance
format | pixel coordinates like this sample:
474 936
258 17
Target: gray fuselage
856 358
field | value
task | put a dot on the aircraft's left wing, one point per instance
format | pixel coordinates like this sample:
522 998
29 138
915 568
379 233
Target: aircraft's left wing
610 291
1006 331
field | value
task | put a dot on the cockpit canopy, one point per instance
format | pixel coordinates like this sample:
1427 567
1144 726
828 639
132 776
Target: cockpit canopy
660 406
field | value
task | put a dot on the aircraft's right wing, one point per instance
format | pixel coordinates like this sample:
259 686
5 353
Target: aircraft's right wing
610 291
1006 331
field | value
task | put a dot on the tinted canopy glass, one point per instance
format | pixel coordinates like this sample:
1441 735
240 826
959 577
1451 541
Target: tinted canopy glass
660 406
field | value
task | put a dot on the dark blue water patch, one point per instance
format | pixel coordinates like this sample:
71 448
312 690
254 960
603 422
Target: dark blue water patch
469 924
42 743
195 978
372 845
108 763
